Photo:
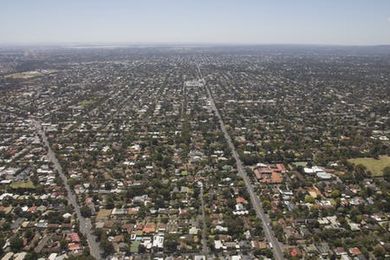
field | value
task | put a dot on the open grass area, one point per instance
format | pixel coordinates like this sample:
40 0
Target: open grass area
24 75
86 103
22 185
29 74
373 165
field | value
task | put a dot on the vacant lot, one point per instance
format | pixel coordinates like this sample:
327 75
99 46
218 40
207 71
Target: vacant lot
373 165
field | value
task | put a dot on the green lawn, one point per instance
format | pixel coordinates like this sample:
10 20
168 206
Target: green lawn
22 185
86 103
373 165
24 75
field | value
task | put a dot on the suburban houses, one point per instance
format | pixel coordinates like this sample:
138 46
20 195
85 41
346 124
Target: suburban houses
194 153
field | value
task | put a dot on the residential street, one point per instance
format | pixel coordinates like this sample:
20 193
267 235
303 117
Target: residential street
85 223
257 205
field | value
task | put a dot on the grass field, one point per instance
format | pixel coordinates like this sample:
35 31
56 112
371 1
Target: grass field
373 165
86 103
24 75
22 185
29 74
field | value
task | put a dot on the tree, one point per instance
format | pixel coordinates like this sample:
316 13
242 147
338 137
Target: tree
85 212
171 243
63 244
107 247
267 204
375 151
31 256
2 242
55 217
29 234
335 194
355 214
16 243
258 229
309 199
386 173
235 225
379 251
110 203
108 186
257 252
267 252
80 257
360 172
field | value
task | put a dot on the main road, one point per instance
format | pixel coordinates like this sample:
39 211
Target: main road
205 248
85 223
257 205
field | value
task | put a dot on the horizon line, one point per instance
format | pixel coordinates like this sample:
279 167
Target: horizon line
127 44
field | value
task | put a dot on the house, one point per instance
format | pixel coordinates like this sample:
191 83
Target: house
74 246
5 210
120 211
319 172
295 252
103 214
74 237
314 192
20 256
158 241
133 211
218 245
269 174
220 228
259 244
354 251
241 200
199 257
8 256
311 249
323 249
339 251
52 256
240 210
193 231
149 228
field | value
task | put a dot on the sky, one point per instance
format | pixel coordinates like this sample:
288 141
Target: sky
340 22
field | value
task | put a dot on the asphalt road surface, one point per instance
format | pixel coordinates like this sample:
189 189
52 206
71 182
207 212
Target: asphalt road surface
85 223
257 205
205 249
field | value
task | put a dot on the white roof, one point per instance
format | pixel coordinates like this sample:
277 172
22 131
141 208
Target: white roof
193 231
158 241
313 169
218 244
20 256
4 195
324 175
52 256
67 215
7 256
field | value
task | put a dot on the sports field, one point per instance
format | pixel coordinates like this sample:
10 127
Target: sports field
375 166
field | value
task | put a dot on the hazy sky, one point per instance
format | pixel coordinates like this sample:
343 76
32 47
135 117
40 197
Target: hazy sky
200 21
